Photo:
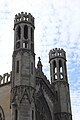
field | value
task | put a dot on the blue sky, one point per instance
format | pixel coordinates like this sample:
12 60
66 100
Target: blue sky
57 24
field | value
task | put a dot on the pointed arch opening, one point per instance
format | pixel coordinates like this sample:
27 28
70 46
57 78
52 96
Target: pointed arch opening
54 70
17 66
26 32
18 33
60 69
60 66
32 114
54 67
16 114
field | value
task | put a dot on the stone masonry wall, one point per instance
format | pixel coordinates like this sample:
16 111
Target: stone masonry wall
5 100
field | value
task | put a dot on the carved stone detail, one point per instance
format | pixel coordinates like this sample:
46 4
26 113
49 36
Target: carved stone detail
18 93
63 116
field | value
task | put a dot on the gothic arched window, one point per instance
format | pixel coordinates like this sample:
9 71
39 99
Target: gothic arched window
54 67
18 33
60 69
55 70
26 32
16 114
60 66
2 117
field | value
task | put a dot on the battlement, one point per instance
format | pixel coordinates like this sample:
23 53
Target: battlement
57 52
5 79
23 17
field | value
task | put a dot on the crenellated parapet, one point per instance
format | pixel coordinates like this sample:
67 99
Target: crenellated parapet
57 52
5 79
23 17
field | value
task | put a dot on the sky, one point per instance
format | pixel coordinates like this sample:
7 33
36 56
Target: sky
57 25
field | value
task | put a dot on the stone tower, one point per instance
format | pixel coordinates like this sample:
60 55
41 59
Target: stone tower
59 81
23 68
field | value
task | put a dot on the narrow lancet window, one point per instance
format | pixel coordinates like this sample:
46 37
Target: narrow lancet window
60 69
18 33
16 114
17 67
55 70
32 115
26 32
60 66
54 67
31 68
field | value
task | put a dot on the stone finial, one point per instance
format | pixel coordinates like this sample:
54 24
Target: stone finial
39 65
39 58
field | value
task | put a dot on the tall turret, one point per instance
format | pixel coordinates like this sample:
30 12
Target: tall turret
23 68
59 81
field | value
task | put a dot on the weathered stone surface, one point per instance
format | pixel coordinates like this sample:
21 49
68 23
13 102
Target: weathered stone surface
5 100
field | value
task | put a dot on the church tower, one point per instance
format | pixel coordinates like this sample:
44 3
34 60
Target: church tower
59 81
23 68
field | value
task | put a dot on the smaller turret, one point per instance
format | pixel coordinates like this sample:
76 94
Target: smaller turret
58 73
57 59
